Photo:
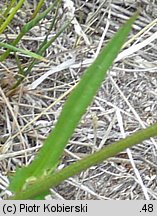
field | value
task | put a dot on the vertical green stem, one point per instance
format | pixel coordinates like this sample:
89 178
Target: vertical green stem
10 17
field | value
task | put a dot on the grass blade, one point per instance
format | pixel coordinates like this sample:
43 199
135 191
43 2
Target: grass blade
38 7
44 46
29 26
11 16
26 52
6 12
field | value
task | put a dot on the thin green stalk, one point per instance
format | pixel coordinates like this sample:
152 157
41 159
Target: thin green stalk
6 12
44 183
10 17
27 27
44 46
20 69
37 9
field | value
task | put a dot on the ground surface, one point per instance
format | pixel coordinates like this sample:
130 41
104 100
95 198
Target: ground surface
126 102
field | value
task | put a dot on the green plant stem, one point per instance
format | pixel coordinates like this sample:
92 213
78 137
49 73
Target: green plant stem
6 12
11 15
41 50
26 52
37 9
27 27
44 183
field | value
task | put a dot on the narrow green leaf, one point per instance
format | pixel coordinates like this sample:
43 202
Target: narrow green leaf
43 47
29 26
73 109
26 52
6 12
37 9
11 15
